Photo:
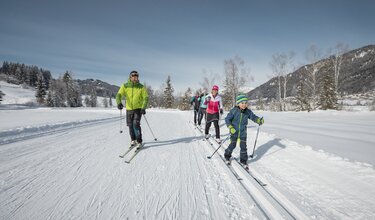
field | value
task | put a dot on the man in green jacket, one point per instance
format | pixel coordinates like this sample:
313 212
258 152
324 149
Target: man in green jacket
136 99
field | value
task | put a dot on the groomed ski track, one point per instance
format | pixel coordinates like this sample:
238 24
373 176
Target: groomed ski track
77 174
74 172
272 203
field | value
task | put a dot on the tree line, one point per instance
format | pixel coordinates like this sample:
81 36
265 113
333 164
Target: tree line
61 92
312 92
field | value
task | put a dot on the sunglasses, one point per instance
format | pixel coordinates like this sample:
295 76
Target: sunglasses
135 75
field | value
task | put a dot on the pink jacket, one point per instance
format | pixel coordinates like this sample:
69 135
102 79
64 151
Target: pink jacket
214 105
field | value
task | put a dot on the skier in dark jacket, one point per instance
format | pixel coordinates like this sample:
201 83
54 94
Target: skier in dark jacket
195 101
236 121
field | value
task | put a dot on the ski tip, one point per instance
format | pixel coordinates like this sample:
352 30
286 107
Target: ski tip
209 157
127 162
121 156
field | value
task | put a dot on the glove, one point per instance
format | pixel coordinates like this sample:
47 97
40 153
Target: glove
260 121
221 111
120 106
231 129
143 111
208 98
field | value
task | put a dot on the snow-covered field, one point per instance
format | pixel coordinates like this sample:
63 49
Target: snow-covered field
15 94
64 164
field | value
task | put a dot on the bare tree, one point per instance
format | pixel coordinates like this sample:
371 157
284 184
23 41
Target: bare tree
209 80
337 59
282 65
313 55
236 76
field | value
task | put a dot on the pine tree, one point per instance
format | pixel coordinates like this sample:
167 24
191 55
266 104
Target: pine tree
302 98
49 100
59 93
153 99
73 94
185 102
168 99
328 96
93 98
41 90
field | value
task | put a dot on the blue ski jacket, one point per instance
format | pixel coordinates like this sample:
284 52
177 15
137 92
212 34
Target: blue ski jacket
239 119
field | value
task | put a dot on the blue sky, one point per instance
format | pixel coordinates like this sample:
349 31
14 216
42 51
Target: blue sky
107 39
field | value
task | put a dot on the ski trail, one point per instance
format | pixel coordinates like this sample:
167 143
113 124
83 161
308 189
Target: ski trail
77 174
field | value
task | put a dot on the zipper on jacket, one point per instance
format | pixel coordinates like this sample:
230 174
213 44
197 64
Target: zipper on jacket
132 96
239 128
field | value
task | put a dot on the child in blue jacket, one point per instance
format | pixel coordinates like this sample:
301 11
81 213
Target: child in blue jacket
236 121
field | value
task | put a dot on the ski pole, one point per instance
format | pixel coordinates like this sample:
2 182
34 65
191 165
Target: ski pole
252 155
121 121
155 139
209 157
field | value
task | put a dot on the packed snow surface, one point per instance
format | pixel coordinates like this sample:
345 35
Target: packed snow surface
65 164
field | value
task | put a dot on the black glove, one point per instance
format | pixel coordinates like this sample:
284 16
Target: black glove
221 111
120 106
143 111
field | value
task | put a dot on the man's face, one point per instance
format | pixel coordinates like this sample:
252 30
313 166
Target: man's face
134 77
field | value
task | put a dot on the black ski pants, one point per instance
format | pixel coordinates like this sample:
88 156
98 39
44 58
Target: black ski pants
133 120
195 115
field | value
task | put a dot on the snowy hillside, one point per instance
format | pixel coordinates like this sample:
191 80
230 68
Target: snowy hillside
17 95
64 164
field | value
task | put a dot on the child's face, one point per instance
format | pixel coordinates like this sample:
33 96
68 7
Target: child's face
243 105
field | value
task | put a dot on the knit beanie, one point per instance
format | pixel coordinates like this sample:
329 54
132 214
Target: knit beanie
241 98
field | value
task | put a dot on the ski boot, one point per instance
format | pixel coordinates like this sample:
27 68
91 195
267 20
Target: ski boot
244 164
132 144
139 145
227 160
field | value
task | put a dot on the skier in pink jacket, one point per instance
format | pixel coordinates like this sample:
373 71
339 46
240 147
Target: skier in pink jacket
214 107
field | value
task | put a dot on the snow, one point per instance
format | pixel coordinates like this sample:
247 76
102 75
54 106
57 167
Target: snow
15 94
64 164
